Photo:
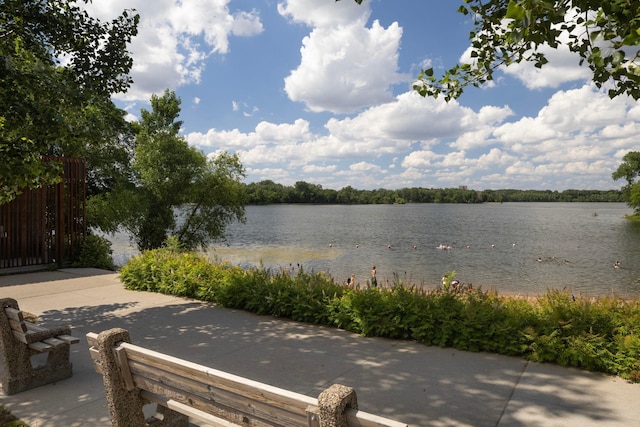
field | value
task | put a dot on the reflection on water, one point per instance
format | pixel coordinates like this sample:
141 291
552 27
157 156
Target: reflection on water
513 247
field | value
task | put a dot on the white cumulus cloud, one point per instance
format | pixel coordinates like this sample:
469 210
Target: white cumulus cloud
344 65
175 39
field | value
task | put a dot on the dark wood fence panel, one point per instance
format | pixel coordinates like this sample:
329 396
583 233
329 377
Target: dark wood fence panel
45 225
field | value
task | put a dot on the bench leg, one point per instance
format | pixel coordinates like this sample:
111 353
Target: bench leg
333 402
126 406
15 358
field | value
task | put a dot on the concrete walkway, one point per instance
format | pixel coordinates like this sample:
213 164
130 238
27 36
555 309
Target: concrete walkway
409 382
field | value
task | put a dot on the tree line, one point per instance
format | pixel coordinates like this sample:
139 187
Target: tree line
268 192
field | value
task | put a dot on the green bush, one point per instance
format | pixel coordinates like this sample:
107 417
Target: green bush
601 334
95 252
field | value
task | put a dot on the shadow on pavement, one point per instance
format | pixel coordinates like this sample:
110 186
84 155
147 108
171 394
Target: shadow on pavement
410 382
49 276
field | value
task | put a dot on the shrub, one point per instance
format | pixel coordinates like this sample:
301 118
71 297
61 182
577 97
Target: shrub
95 252
600 334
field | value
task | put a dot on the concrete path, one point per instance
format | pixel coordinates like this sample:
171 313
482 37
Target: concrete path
409 382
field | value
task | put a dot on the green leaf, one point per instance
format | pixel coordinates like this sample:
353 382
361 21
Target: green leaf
515 11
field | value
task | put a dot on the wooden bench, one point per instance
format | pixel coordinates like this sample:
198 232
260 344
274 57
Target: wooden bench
20 340
187 392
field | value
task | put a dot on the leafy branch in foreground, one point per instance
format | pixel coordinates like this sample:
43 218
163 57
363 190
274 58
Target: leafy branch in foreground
604 33
58 69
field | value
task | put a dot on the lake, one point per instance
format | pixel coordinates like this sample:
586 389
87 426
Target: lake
522 248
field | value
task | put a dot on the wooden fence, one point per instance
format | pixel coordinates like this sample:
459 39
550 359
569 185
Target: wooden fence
45 225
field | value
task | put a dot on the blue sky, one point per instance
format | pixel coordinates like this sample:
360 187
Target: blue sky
319 91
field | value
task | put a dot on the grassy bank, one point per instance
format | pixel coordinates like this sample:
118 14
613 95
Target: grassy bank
598 334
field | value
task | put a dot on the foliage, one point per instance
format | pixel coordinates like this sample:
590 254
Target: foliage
95 252
447 279
629 169
601 334
167 270
604 33
268 192
8 420
58 70
175 190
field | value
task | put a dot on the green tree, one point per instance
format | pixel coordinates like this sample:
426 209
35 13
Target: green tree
604 33
58 68
308 193
629 169
176 190
347 195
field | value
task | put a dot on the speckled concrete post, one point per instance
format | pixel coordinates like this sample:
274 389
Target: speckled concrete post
333 402
126 406
18 374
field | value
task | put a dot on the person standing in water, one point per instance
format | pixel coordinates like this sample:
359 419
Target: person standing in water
374 279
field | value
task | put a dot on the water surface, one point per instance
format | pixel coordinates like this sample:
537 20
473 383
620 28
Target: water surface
512 247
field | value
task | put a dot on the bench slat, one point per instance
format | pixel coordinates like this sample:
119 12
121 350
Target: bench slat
216 401
40 346
220 379
23 337
14 314
95 356
54 342
68 339
35 328
92 340
31 334
125 372
18 325
356 418
192 413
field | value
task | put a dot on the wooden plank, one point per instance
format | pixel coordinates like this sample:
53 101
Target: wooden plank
220 379
123 365
209 406
357 418
69 339
97 361
233 407
35 328
208 386
243 400
18 326
54 342
40 346
14 314
192 413
92 340
21 336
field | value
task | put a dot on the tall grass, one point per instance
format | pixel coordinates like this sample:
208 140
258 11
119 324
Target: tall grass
600 334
